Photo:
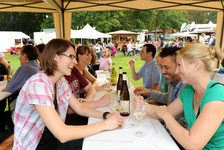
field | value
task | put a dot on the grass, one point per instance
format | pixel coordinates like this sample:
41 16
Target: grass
120 61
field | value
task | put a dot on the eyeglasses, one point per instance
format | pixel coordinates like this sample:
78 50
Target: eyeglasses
68 55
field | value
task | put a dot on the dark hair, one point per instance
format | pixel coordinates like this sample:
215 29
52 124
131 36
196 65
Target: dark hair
82 50
55 46
30 51
40 47
169 51
150 48
93 60
222 63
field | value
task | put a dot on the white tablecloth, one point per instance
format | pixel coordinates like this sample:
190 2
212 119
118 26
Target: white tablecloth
154 137
3 95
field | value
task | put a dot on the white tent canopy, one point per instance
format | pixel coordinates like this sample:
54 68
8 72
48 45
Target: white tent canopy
7 39
88 33
123 32
183 34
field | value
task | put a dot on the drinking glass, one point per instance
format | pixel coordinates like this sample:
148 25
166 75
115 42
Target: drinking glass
115 103
139 114
108 89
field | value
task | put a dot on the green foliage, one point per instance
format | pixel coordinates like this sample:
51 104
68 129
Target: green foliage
21 21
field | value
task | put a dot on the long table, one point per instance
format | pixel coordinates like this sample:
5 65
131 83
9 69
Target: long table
3 95
124 138
5 98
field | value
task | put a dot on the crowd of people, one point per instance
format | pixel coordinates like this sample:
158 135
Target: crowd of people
56 94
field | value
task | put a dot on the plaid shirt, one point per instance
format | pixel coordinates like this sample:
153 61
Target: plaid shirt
37 90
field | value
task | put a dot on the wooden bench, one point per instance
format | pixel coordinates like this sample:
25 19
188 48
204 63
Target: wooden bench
7 144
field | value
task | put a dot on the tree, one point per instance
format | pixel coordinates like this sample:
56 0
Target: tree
199 17
21 21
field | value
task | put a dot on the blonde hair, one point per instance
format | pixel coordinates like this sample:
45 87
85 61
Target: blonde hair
108 52
209 55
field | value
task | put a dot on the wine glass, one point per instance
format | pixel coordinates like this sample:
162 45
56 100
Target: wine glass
115 103
139 114
108 89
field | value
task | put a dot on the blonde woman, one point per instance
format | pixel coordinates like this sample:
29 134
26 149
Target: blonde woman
202 101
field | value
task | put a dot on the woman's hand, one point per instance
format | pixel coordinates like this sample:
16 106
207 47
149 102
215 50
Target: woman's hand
113 121
162 112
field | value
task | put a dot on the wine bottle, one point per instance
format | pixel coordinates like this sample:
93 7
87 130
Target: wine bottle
113 75
119 81
125 97
10 72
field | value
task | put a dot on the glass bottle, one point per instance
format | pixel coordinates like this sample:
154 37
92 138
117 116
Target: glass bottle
125 97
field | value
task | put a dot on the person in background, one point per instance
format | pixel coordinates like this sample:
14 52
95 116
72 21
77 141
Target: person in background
201 100
219 75
84 57
105 62
202 38
40 49
29 67
130 49
124 48
43 101
113 49
93 66
150 72
212 40
3 67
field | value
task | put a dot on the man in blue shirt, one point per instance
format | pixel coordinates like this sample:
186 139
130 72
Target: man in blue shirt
29 67
150 72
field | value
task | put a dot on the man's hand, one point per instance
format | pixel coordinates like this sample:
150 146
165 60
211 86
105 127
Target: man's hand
131 63
142 91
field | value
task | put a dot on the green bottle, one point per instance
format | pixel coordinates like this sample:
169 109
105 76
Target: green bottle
113 75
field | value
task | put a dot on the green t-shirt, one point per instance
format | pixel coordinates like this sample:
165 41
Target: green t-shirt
163 85
214 93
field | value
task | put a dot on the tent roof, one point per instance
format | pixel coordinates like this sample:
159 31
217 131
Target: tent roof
13 35
49 6
123 32
183 34
88 33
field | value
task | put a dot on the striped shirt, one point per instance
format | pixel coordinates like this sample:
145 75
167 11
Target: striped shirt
38 90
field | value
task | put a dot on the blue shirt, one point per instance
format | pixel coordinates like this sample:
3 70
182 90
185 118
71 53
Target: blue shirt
221 71
176 89
150 73
22 74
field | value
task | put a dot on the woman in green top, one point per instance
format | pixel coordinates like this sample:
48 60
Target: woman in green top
202 100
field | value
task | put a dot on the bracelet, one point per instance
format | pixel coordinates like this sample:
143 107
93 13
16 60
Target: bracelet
105 115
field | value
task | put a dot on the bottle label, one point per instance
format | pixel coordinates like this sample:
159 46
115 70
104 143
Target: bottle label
118 95
124 77
125 104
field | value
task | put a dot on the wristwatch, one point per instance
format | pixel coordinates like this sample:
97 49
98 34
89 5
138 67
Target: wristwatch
105 115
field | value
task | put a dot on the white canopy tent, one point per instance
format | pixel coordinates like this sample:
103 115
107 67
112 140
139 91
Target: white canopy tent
88 32
7 39
183 34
